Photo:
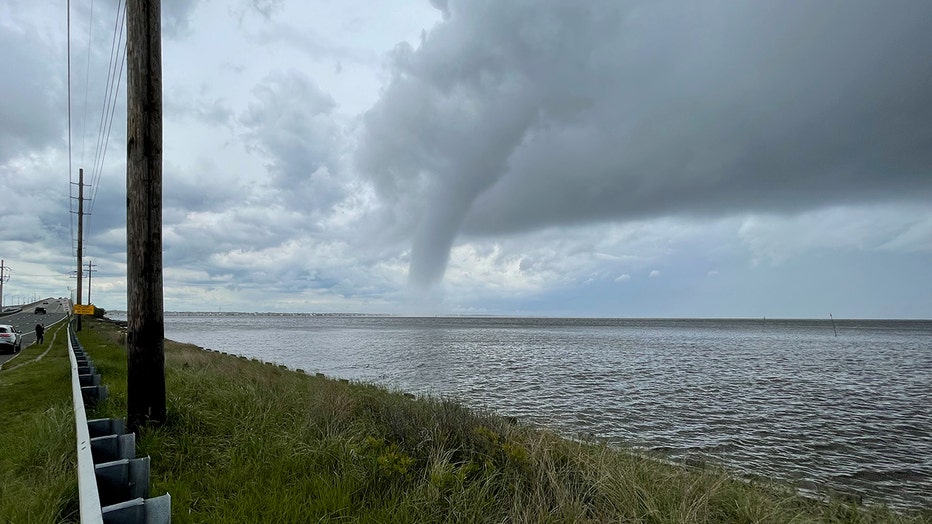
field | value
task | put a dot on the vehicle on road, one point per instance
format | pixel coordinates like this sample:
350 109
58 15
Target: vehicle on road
11 340
40 310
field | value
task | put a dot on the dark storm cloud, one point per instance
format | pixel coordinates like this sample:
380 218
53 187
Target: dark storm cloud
512 116
291 123
31 112
442 6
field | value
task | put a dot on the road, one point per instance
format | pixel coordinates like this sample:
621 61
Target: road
26 320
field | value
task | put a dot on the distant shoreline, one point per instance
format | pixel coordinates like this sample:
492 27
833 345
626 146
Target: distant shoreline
122 313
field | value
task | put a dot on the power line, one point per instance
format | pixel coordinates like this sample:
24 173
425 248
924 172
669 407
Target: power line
115 66
109 102
95 177
68 18
115 78
87 78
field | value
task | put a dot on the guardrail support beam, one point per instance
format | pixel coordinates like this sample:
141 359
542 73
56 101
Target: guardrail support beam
112 484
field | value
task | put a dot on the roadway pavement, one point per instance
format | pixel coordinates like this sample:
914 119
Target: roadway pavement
55 311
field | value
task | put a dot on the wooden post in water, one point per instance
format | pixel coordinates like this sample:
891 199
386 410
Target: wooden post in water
145 380
833 324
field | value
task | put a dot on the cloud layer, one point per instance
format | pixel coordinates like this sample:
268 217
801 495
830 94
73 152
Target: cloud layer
513 116
635 158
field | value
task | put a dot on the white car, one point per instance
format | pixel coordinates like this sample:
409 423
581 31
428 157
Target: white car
11 340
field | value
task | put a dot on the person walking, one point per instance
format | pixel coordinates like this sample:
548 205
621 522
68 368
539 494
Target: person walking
40 332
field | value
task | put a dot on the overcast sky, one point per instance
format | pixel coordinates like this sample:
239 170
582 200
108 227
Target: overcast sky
521 157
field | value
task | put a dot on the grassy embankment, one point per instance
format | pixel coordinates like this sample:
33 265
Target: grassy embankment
38 482
253 442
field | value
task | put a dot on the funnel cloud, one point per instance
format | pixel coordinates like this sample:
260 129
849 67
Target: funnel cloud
510 117
600 158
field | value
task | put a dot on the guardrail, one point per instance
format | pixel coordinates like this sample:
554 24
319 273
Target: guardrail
113 485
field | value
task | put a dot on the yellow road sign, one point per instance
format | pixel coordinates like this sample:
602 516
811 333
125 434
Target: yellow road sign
81 309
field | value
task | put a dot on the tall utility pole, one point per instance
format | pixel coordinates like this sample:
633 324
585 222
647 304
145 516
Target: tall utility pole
90 272
4 276
80 236
145 378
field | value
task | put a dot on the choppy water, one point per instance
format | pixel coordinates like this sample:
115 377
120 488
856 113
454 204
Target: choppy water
781 399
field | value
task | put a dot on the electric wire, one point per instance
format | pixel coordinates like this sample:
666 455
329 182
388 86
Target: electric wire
109 100
116 80
115 67
87 78
95 183
70 175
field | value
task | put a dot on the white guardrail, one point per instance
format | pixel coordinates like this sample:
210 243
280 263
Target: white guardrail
112 483
87 481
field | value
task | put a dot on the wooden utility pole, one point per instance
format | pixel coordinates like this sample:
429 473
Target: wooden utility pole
80 236
145 380
90 273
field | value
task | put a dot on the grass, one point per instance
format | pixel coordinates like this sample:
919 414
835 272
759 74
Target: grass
38 482
247 441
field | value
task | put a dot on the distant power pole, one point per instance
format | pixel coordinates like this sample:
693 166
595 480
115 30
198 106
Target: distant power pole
90 272
80 236
145 378
4 276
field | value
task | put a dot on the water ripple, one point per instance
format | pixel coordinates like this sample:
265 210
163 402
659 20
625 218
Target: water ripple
781 399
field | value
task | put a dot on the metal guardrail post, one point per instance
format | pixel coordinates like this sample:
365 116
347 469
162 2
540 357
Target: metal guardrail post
108 471
88 497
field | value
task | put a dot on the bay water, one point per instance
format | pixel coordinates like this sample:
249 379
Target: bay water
844 408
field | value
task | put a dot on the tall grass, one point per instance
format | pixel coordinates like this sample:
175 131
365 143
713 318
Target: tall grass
252 442
38 482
